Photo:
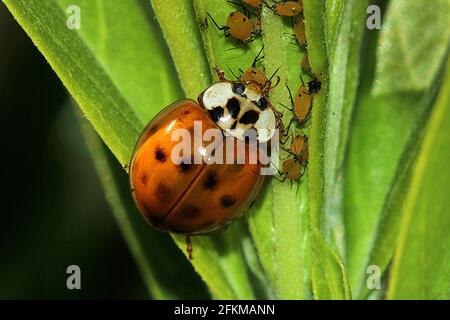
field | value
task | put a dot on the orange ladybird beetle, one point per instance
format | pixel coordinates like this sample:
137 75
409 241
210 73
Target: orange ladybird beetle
195 198
287 8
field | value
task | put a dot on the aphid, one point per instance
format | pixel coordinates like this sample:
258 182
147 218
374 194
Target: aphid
238 26
194 198
302 101
292 167
299 148
254 74
287 8
305 63
299 30
292 170
253 3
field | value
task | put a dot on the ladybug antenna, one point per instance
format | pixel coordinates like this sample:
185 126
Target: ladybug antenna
257 57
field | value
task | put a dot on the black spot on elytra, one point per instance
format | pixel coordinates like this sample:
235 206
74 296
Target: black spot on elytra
186 112
216 113
210 181
234 107
190 211
185 166
150 214
250 116
160 155
227 201
144 179
163 192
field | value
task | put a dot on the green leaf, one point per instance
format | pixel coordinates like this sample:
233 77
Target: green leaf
181 31
421 264
328 272
375 189
413 42
110 71
288 216
174 280
344 79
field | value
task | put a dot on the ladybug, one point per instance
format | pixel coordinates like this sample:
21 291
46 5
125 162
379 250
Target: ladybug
287 8
302 102
199 197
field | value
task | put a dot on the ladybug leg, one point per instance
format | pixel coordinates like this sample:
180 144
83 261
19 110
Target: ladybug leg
189 247
220 74
126 167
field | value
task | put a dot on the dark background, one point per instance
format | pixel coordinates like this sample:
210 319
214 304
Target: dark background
53 211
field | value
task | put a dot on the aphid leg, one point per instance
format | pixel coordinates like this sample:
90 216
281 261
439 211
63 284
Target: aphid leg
189 247
288 151
287 108
237 78
289 126
290 96
220 74
224 28
280 179
301 78
285 140
257 58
